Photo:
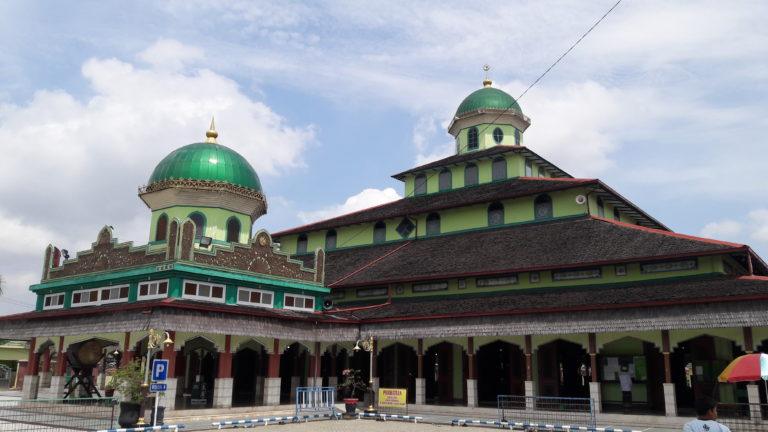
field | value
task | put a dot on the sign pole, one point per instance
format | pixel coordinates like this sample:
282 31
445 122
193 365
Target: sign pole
157 401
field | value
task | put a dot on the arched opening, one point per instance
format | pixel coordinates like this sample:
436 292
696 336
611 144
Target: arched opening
249 367
445 180
445 369
334 360
161 229
702 359
517 137
233 230
200 367
294 370
301 244
500 371
563 369
397 368
330 239
600 208
472 141
542 207
420 185
495 214
643 365
379 232
499 169
470 175
199 221
433 224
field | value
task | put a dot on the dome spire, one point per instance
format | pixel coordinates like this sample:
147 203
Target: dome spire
211 134
487 81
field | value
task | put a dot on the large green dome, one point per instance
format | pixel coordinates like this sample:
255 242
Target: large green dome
206 161
487 97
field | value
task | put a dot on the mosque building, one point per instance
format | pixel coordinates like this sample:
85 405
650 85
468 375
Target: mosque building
498 273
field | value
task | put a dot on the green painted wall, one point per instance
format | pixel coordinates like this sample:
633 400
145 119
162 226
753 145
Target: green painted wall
215 221
485 137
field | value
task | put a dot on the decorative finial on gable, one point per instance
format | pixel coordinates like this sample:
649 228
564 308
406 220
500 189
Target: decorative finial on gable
211 135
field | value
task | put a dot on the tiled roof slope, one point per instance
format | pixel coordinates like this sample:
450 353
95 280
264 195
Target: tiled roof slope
683 290
486 192
567 242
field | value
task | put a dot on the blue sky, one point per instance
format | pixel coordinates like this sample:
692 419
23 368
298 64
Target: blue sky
667 102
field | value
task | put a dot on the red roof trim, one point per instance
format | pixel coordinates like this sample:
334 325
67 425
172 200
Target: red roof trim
371 263
669 233
559 179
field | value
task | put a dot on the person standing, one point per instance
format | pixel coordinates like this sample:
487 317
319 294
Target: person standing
706 409
625 381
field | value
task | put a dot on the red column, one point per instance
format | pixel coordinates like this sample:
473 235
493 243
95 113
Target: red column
170 354
61 359
528 358
315 362
273 370
593 355
471 357
32 368
225 359
127 353
420 358
665 351
749 344
47 361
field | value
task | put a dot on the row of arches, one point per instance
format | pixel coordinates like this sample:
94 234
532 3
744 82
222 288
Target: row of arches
471 176
233 227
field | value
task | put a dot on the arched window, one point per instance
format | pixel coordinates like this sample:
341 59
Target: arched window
472 138
517 137
445 180
542 207
498 135
433 224
600 208
233 230
528 168
161 231
379 232
199 221
330 239
616 214
301 244
470 175
499 169
420 185
495 214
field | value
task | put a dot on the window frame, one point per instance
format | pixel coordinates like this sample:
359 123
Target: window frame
261 304
476 175
331 233
99 300
537 204
302 240
498 135
153 296
236 232
299 296
495 206
199 228
445 175
197 296
499 162
473 136
528 168
56 306
420 185
379 232
432 220
163 218
600 208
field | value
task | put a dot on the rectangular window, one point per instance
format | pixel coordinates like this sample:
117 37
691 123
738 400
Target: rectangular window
621 270
299 302
372 292
433 286
528 168
254 297
497 281
666 266
204 291
576 274
99 296
336 295
535 277
54 301
154 289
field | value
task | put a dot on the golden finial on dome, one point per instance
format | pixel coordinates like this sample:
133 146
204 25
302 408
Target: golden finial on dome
211 134
487 81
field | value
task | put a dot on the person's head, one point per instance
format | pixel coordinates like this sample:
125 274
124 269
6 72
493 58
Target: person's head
706 407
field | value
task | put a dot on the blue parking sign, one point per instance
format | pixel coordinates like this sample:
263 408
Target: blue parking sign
159 370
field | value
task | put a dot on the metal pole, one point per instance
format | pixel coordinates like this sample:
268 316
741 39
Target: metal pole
145 386
154 417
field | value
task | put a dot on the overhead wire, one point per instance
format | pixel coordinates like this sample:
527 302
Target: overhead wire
536 81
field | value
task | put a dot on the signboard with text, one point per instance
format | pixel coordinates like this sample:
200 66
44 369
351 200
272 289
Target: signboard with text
393 398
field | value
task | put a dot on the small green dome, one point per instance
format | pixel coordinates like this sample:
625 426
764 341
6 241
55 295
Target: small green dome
487 97
206 161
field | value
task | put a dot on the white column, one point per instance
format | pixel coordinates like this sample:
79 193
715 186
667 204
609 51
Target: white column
30 387
753 397
45 380
222 392
471 393
530 391
295 380
421 396
594 393
670 400
272 391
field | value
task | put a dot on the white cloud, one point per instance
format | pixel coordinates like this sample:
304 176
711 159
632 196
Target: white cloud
171 55
752 229
35 238
759 220
722 230
365 199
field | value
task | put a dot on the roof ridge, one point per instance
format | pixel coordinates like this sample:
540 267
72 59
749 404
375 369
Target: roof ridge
669 233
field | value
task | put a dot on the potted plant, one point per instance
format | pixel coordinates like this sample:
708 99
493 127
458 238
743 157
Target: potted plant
127 381
352 387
